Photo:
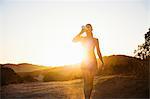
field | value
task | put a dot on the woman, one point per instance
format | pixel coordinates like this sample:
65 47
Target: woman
89 63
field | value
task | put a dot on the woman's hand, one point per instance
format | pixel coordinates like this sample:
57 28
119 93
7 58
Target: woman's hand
102 67
82 30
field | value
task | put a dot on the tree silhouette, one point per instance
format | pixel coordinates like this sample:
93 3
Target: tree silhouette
143 50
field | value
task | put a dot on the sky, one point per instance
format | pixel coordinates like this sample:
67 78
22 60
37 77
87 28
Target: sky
41 31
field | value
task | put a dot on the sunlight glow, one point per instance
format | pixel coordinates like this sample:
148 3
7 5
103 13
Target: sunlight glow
41 32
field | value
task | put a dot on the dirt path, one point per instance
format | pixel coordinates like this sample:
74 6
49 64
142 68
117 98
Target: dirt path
104 87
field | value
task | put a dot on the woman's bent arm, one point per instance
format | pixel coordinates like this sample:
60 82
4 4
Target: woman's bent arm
78 37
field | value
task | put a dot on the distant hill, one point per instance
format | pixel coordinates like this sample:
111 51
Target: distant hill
24 67
114 65
67 72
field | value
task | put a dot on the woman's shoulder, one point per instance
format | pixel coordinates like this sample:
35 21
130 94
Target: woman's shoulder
95 39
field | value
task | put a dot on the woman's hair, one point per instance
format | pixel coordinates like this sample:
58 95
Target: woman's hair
90 26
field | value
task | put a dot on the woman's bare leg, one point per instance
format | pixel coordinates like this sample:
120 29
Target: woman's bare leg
88 84
91 85
86 88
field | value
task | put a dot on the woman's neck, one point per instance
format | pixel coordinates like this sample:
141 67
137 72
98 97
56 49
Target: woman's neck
90 35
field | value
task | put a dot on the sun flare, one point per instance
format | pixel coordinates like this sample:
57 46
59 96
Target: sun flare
71 54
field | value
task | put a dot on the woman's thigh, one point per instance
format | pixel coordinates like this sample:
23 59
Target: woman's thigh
88 76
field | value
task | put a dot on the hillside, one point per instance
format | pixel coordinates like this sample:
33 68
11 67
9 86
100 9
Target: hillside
114 65
61 73
8 76
24 67
123 77
121 64
106 87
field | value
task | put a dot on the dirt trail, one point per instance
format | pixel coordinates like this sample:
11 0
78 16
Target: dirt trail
104 88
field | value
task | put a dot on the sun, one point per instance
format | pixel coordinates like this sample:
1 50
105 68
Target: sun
77 53
71 53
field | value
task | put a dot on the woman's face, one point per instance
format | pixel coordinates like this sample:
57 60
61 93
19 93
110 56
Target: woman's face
88 28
